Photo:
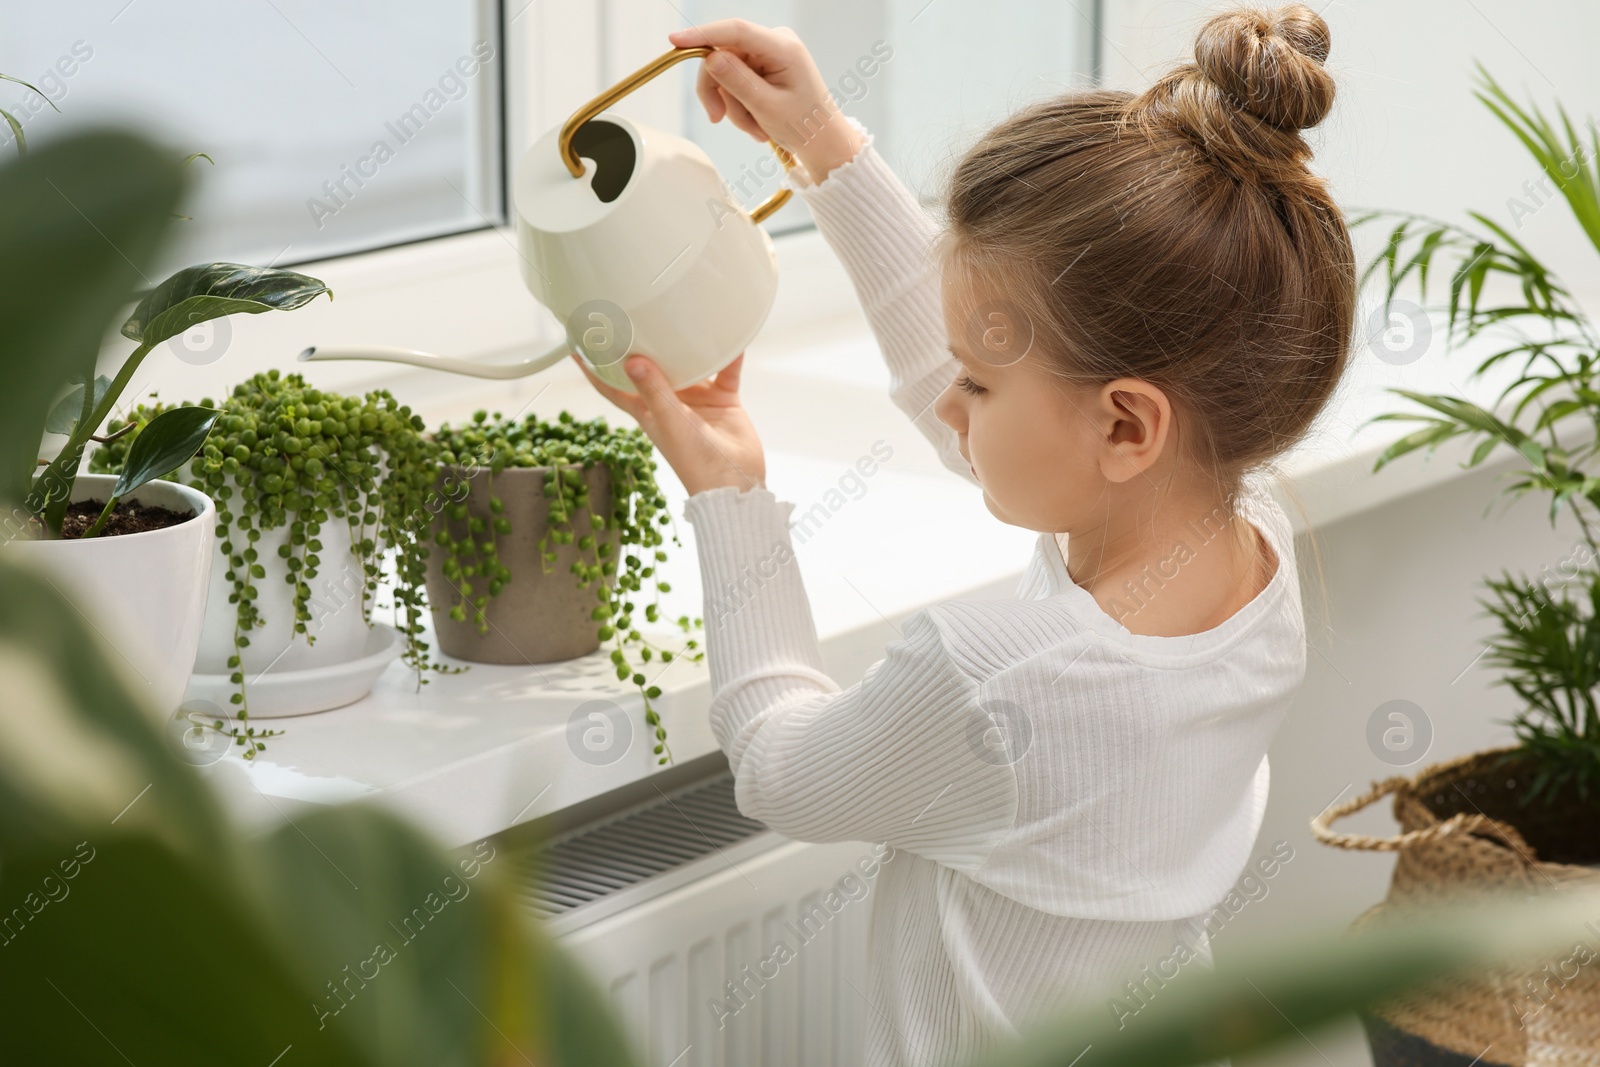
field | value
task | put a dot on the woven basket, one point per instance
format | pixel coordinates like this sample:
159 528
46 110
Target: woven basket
1547 1014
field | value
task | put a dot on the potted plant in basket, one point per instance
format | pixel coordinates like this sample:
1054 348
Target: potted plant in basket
133 549
1529 814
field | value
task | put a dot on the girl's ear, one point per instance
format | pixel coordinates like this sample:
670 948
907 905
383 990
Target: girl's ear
1134 420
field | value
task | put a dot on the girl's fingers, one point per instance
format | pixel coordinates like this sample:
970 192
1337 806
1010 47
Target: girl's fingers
765 47
629 403
706 88
743 84
728 377
740 116
654 393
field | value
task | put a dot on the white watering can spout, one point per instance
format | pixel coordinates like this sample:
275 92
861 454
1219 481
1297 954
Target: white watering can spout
642 250
383 353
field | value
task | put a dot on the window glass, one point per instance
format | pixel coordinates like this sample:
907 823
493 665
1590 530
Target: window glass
334 128
925 77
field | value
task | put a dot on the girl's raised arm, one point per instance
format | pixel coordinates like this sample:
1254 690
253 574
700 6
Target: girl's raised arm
765 82
885 241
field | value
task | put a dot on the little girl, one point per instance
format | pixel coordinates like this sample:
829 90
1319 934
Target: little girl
1134 303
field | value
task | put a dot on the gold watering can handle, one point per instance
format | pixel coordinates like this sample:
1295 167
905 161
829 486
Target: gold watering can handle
569 155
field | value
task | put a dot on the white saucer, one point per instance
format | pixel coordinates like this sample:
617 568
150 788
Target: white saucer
282 694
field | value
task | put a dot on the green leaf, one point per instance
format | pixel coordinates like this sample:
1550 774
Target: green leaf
1551 149
163 905
1480 453
102 733
64 416
1428 437
16 131
26 85
170 440
212 290
11 120
1424 257
83 217
178 928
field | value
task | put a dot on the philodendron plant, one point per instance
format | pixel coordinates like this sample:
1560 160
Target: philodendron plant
191 296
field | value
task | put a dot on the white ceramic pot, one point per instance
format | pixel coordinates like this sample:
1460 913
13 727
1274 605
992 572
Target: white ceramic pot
338 625
144 593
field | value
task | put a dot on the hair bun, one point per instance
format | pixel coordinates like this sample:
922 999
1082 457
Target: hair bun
1269 63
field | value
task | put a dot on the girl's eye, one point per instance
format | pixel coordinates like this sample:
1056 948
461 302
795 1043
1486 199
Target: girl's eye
966 384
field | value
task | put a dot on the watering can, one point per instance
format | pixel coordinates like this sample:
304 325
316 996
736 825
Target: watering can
631 237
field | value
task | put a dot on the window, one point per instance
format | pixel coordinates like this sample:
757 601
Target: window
333 128
292 99
925 77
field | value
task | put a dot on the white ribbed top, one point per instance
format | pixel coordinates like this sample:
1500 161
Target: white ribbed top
1068 799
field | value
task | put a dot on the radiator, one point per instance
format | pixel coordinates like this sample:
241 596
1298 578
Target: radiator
678 907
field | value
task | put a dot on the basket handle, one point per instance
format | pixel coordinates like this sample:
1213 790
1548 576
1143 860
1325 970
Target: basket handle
1463 823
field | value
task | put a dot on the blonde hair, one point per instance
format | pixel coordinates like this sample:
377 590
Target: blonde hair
1178 237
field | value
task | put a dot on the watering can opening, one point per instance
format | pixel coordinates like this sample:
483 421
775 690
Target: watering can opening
613 153
642 245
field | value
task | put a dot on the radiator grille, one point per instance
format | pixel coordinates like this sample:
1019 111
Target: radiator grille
662 836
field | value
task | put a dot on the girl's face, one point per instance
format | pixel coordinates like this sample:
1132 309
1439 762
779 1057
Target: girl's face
1050 455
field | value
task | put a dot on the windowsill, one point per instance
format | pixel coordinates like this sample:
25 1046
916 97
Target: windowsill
475 753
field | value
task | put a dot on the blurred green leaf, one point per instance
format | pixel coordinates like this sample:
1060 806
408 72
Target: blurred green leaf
64 416
1285 990
84 216
176 940
146 957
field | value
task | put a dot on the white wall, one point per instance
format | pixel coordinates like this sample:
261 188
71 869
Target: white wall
1406 131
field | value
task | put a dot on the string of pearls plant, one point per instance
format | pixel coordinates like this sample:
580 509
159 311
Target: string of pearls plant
566 448
286 455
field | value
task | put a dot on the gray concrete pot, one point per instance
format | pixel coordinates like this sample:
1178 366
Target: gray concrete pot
538 617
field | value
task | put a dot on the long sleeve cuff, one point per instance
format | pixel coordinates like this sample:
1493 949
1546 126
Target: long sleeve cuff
761 640
871 220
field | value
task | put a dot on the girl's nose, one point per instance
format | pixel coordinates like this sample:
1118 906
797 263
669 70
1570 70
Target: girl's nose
948 406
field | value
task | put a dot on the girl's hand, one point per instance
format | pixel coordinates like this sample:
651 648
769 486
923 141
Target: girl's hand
767 84
702 431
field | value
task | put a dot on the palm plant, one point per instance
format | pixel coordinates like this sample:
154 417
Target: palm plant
1499 290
